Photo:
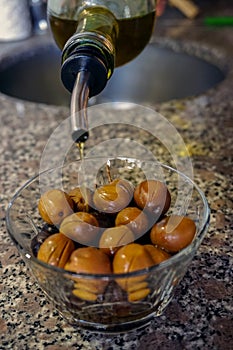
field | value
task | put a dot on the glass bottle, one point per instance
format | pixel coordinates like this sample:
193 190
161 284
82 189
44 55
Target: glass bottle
96 36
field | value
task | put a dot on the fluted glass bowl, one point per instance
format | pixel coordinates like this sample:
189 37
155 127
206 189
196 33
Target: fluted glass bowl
111 311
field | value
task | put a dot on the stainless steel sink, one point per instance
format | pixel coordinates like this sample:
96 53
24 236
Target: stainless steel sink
159 74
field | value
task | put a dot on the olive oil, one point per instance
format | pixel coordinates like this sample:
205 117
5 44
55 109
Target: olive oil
133 34
81 146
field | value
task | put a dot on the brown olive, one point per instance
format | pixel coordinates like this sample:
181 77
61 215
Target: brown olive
82 197
129 258
134 218
158 255
113 197
173 233
54 206
81 227
115 237
56 250
105 220
154 197
89 260
46 231
138 291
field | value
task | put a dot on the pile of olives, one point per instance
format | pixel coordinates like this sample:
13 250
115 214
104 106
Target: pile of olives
118 228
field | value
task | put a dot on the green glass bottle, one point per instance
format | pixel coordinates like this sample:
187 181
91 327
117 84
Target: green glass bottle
96 36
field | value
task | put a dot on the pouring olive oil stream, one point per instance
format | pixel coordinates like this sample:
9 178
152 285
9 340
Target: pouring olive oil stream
95 37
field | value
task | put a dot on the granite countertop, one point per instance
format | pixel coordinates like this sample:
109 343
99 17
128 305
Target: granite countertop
200 315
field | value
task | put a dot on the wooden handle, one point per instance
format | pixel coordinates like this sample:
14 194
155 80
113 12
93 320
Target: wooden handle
187 7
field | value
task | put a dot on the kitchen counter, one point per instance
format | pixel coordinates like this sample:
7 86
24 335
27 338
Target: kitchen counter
200 315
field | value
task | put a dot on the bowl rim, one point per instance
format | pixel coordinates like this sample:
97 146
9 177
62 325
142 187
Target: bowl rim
190 249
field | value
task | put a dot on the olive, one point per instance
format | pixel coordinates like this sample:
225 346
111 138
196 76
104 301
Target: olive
129 258
56 250
89 260
114 237
46 231
82 197
173 233
105 220
113 197
158 255
81 227
54 206
154 197
134 218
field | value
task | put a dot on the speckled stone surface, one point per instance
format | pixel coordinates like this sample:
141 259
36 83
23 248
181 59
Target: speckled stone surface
200 315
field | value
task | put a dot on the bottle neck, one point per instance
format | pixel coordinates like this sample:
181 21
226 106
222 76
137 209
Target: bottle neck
91 48
98 20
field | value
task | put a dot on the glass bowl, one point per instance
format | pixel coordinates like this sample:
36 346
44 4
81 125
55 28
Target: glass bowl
111 311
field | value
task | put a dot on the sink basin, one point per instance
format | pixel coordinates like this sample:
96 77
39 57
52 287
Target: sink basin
159 74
